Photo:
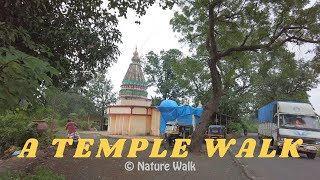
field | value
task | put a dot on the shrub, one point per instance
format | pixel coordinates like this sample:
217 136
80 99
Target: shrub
46 138
236 126
84 125
15 129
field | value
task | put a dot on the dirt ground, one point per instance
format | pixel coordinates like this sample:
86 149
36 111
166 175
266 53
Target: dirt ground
113 168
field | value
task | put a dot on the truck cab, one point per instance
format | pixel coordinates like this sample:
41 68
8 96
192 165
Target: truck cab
291 120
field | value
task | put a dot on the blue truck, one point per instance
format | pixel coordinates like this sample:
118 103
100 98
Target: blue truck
293 120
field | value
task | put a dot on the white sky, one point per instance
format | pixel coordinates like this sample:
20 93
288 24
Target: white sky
155 34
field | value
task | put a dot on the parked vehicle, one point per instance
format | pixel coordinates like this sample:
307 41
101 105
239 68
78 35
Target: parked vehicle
292 120
216 132
176 130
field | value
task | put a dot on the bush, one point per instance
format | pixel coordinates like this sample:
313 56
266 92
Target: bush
235 126
46 139
15 129
84 125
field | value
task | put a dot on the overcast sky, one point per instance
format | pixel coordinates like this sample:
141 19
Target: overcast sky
155 34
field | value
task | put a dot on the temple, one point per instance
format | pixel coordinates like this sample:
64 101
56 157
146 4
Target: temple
133 113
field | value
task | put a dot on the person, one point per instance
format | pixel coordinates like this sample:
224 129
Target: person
71 128
245 132
299 122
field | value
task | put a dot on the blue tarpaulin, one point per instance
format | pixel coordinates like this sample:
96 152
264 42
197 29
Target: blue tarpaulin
265 113
170 111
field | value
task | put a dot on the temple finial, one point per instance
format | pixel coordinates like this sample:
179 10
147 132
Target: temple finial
135 57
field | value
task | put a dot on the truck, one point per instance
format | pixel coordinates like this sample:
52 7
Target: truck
291 120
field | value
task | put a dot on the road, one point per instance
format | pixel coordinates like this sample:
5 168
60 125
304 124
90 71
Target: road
279 168
113 168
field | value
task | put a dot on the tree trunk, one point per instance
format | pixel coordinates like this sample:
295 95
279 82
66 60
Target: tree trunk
210 109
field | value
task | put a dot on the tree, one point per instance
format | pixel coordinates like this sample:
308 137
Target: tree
22 78
193 77
99 90
62 104
77 38
282 78
68 41
228 28
160 73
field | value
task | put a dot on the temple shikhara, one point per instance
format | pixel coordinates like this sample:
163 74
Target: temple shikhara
134 86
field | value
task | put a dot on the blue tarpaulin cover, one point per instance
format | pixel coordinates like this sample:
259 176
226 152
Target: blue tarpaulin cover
170 111
265 113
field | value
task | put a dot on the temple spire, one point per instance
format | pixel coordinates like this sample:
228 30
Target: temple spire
134 86
135 57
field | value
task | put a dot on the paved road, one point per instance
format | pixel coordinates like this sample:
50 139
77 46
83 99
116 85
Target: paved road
279 168
113 168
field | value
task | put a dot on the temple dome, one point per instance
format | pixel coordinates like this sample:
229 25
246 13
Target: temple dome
168 103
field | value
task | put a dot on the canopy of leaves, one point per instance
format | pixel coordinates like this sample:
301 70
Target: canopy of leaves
75 37
160 73
64 104
242 37
99 91
21 78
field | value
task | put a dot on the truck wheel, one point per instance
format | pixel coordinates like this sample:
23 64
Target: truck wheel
311 155
278 150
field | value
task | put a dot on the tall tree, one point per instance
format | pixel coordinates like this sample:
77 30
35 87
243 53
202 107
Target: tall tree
228 28
99 90
160 73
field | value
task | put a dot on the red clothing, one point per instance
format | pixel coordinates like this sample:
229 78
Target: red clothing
71 127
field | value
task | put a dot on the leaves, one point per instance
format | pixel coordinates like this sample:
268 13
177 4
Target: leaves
160 73
99 91
22 77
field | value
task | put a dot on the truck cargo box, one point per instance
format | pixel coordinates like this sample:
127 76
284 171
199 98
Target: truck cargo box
265 113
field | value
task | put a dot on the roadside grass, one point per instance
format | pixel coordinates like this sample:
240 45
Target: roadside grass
318 154
38 174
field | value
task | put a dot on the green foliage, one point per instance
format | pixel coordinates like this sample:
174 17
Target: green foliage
84 125
15 129
156 101
77 38
160 73
38 174
22 78
244 39
71 104
281 77
234 125
46 138
99 91
193 77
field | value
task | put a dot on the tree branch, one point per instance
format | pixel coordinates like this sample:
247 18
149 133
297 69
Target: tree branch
272 41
